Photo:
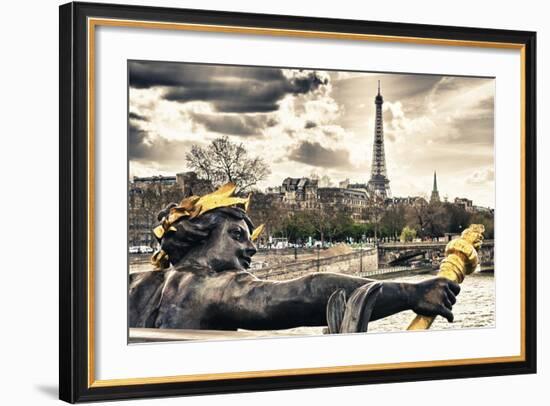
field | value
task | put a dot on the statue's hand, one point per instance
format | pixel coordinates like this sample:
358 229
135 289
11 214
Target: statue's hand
435 297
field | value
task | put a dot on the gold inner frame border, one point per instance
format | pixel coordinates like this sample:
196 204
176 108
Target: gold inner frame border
94 22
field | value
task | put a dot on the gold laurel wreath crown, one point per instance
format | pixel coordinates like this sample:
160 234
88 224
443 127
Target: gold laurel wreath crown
195 206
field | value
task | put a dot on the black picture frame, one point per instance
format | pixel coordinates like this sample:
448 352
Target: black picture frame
74 380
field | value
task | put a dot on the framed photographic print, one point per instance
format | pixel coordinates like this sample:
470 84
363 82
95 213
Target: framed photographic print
253 202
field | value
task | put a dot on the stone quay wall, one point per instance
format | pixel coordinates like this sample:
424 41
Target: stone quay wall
353 263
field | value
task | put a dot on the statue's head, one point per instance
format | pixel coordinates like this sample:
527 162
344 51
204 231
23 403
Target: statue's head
213 231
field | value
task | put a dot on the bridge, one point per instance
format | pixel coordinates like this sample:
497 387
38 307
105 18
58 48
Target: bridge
398 253
425 244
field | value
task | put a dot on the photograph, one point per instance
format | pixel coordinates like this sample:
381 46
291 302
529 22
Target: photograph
295 201
257 202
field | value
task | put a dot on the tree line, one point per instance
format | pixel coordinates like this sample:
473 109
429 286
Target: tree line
390 222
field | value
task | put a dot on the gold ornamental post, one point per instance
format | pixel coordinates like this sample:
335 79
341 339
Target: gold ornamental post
461 259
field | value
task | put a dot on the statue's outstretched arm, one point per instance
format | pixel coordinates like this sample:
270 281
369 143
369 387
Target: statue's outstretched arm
255 304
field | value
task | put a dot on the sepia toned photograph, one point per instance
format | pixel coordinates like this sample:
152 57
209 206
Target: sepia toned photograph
258 202
277 202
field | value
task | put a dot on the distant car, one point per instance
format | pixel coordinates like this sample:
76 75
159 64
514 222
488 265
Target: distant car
144 249
133 250
258 265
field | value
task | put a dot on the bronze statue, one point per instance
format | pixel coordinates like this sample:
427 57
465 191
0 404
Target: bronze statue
202 280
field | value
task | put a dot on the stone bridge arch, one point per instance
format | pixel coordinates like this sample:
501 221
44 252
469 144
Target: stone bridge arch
390 254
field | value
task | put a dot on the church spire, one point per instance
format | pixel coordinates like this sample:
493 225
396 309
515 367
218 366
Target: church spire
435 193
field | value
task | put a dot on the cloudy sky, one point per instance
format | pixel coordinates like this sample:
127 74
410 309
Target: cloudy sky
322 122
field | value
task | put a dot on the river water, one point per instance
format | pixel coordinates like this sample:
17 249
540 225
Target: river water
474 308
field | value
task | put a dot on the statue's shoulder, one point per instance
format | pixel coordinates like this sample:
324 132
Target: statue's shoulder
146 278
192 269
245 276
155 274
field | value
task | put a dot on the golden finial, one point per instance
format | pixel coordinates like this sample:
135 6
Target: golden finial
461 259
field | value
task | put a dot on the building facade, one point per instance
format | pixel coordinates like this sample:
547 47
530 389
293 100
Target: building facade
148 195
190 184
300 193
305 194
466 204
353 202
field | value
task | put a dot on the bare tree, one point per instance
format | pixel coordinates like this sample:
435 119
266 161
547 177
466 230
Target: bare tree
322 219
144 203
393 220
375 212
314 175
429 220
224 161
266 209
325 181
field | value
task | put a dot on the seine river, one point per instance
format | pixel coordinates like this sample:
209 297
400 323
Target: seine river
475 306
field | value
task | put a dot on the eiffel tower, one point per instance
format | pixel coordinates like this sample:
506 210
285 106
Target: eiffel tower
379 184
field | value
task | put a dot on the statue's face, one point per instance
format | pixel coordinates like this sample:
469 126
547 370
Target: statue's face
229 246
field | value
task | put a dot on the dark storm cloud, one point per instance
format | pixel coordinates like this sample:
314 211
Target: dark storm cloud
136 141
472 130
143 75
245 95
136 116
232 97
243 125
313 153
229 89
142 147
